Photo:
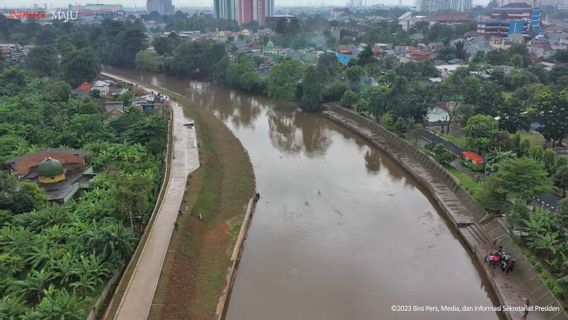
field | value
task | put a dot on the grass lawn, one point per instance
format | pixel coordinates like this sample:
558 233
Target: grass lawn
468 182
536 138
194 273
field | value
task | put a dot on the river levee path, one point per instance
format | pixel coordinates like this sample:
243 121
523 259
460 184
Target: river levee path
137 299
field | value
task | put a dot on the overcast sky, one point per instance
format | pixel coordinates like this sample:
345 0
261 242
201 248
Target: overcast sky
193 3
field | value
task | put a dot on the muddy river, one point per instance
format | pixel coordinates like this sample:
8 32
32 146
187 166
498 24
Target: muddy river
341 231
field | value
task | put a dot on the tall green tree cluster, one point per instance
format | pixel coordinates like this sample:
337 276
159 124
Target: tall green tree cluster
242 74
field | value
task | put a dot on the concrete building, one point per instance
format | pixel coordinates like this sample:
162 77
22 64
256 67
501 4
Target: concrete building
98 11
512 19
449 18
244 11
163 7
459 5
13 53
440 5
429 5
61 173
226 9
406 21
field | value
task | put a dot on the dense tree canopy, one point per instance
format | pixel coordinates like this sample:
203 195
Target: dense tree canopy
283 80
80 66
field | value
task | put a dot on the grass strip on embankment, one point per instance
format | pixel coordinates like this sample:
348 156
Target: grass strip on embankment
194 273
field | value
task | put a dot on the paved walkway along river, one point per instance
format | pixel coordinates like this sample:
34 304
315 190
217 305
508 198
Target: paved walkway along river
139 294
341 231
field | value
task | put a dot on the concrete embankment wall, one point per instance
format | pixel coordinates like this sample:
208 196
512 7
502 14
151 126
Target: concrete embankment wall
493 230
223 303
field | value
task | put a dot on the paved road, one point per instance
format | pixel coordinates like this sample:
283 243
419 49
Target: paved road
137 299
430 136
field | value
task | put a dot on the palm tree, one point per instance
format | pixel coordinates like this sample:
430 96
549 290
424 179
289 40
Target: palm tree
31 288
546 244
12 308
65 269
110 241
16 239
38 255
58 304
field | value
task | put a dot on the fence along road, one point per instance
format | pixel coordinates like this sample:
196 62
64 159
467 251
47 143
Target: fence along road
137 299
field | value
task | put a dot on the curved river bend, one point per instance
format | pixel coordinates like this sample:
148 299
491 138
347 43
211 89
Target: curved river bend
341 232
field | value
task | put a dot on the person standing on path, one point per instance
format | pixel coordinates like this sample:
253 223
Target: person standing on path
526 305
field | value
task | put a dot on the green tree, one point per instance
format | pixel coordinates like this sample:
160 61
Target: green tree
522 178
552 110
328 66
561 216
481 133
561 179
44 60
491 197
243 75
18 196
148 60
561 56
517 61
349 99
354 75
80 66
366 56
440 153
310 91
334 91
129 41
283 79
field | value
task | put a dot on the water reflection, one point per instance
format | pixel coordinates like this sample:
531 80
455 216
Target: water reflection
293 132
373 161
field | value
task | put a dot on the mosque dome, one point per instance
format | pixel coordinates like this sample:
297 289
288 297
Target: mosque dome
51 171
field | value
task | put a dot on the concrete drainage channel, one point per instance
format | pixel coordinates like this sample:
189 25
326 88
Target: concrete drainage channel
464 215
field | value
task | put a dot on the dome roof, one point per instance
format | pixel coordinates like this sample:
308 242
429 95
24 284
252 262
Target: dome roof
245 33
269 45
50 168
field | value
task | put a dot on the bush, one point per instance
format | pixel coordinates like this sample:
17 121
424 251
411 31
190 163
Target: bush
440 153
349 99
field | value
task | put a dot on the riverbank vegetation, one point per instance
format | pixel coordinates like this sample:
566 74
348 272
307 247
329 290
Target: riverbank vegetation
56 258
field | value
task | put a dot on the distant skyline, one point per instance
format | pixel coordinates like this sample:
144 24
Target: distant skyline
197 3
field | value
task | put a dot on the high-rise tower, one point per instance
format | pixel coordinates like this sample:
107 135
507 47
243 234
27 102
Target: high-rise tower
162 7
244 11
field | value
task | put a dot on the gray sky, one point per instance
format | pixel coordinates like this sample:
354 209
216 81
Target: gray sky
182 3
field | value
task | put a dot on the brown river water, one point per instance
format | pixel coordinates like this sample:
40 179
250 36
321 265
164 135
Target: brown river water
341 231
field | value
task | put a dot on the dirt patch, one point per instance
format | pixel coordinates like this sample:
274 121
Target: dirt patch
194 273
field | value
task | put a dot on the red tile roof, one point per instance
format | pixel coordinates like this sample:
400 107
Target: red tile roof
84 87
473 156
